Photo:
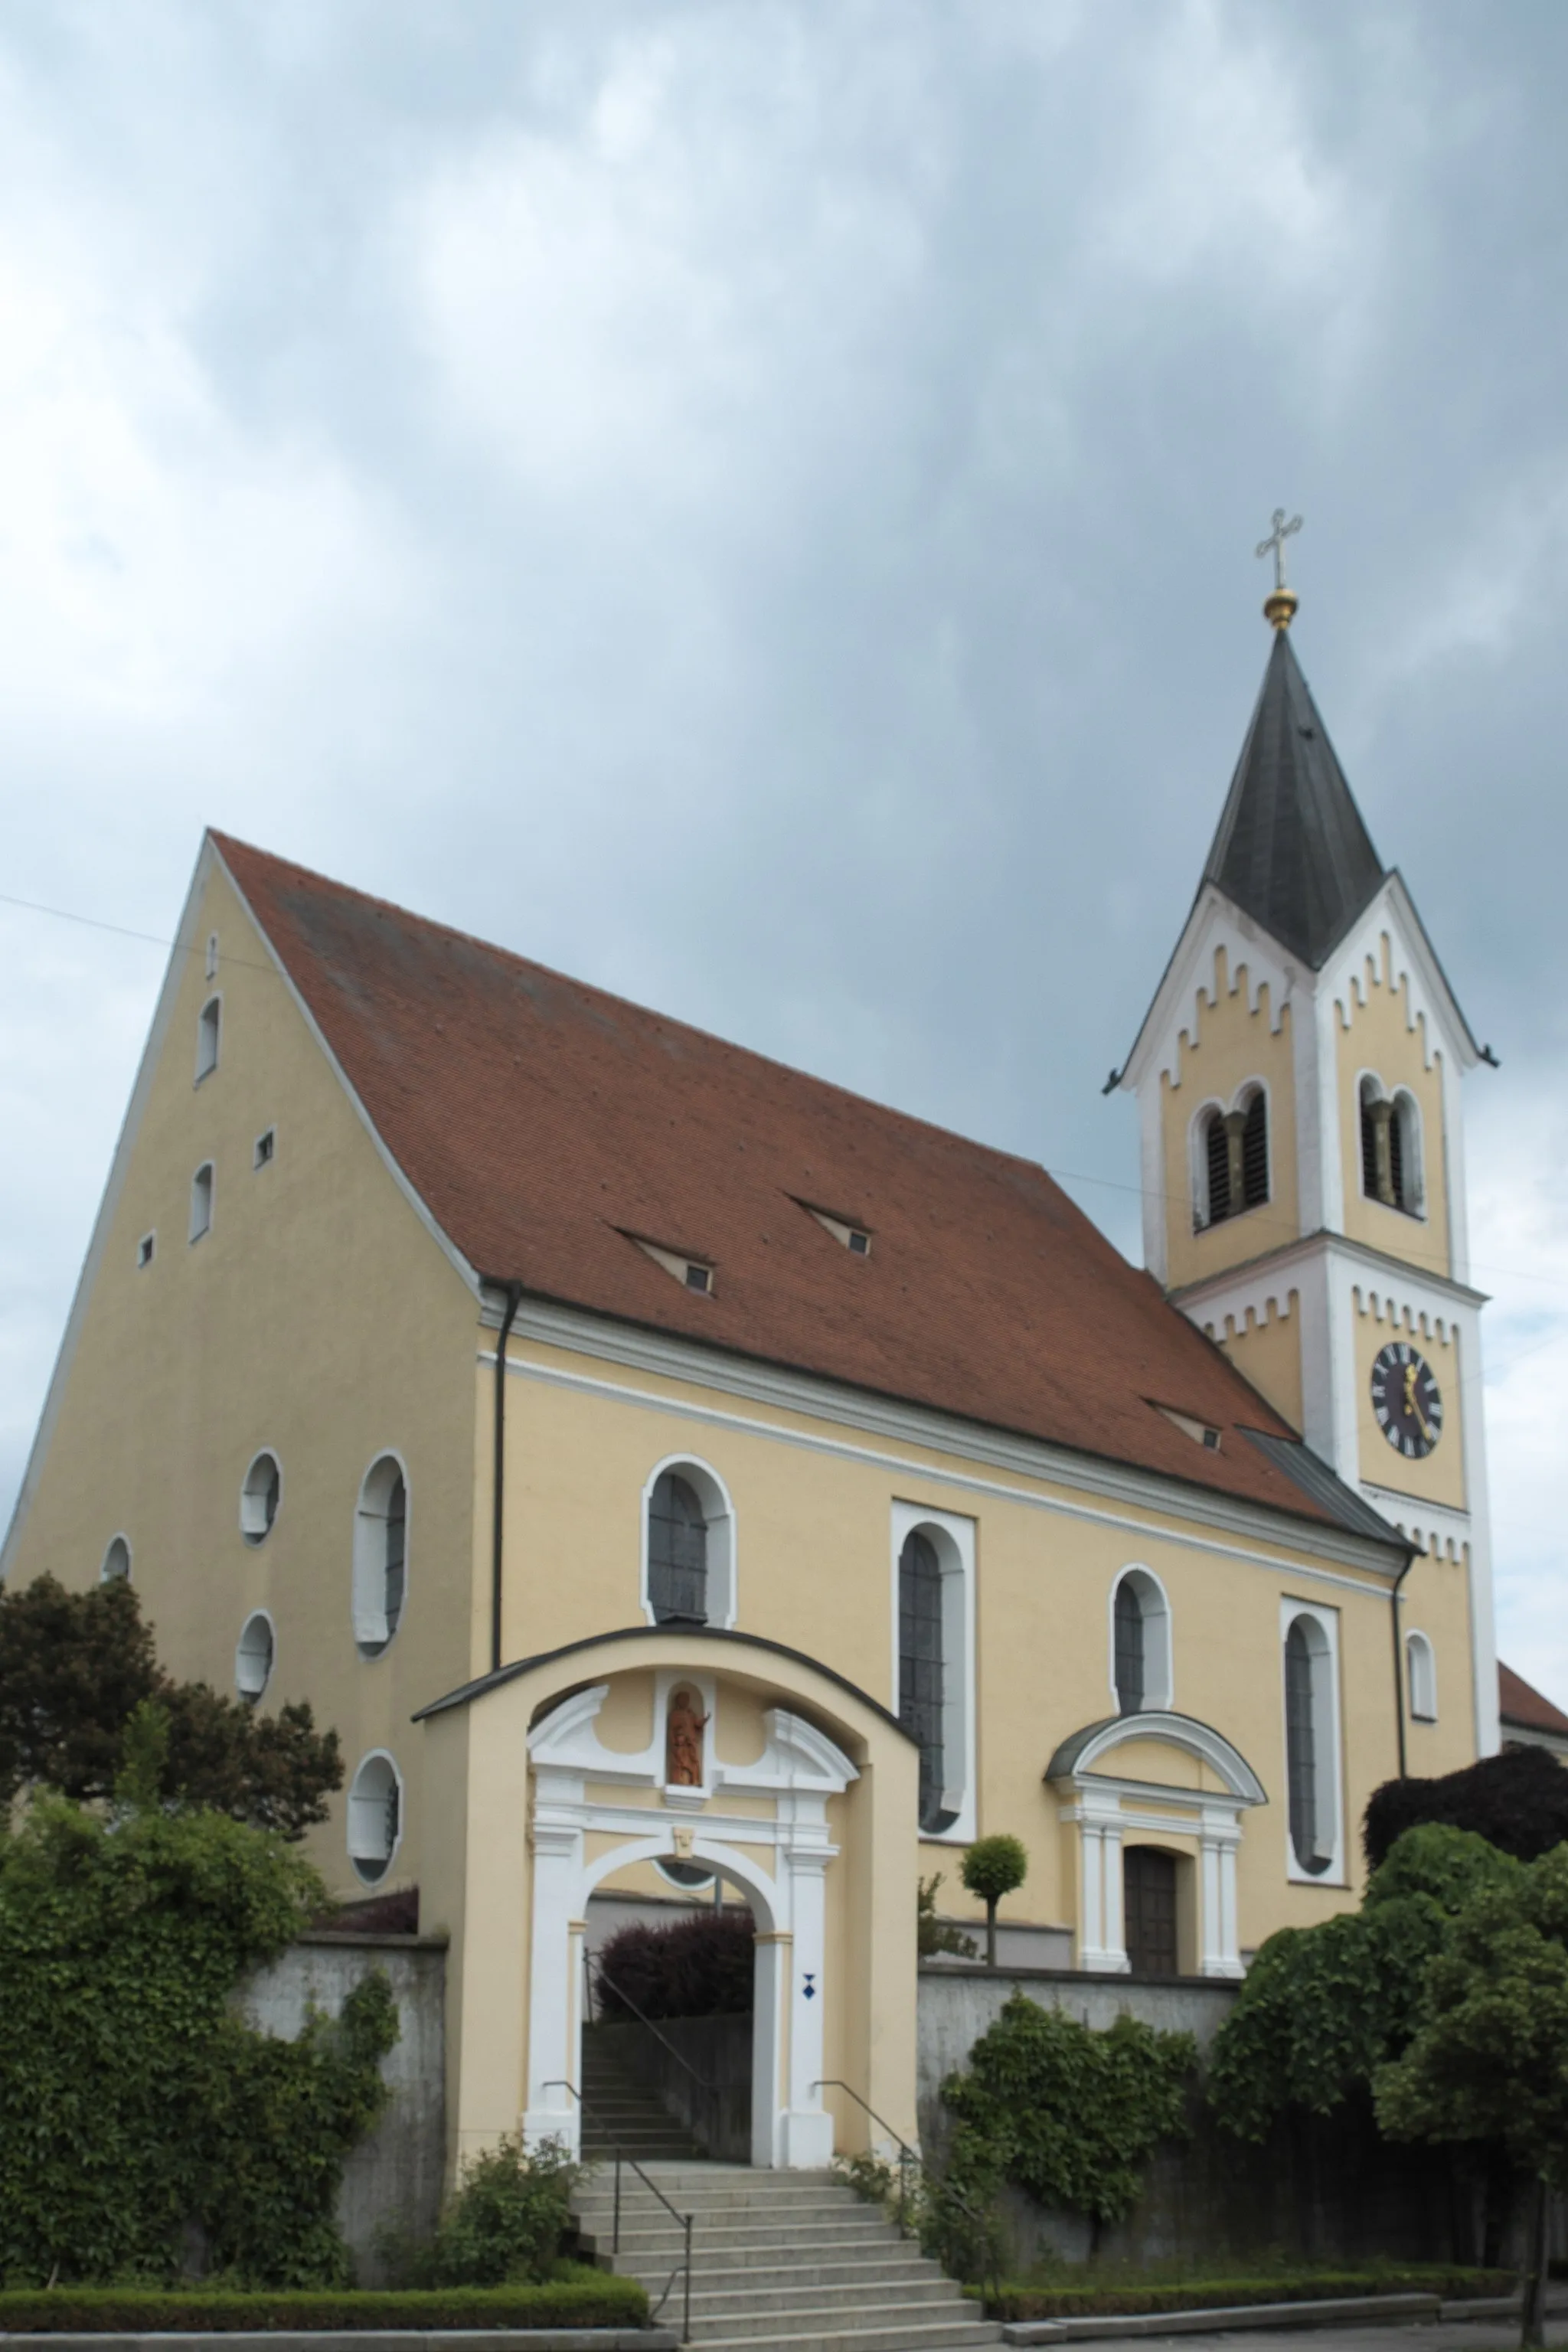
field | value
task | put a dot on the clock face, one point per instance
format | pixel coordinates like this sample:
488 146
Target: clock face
1407 1400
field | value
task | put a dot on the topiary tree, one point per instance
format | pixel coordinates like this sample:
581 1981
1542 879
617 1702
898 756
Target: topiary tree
1070 2114
701 1966
1489 2058
993 1868
1518 1801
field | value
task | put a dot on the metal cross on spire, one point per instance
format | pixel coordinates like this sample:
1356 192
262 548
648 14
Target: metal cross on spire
1280 606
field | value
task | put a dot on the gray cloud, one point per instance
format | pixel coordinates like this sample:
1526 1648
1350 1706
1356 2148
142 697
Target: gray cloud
755 506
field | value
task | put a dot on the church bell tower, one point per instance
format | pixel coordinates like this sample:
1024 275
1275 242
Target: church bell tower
1298 1080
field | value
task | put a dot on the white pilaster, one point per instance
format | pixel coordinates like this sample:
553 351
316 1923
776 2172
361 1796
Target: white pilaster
551 2111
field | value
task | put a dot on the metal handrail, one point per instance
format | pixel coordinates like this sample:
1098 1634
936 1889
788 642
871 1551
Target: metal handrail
663 2039
624 2155
907 2156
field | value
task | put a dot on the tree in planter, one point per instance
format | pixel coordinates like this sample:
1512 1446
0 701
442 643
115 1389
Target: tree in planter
993 1868
74 1667
1490 2059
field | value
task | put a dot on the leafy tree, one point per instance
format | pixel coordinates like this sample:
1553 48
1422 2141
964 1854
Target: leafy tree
701 1965
1518 1801
933 1935
1070 2114
1489 2058
1321 2008
74 1666
135 2102
993 1868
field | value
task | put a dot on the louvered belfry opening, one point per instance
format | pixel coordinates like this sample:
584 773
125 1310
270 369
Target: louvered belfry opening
1396 1158
1255 1152
677 1553
1217 1147
920 1665
1368 1148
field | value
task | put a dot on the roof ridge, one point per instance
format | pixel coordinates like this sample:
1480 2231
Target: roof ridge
224 842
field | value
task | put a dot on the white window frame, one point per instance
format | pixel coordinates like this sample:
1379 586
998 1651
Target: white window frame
207 1197
252 1534
719 1512
121 1537
1421 1660
1159 1664
256 1617
373 1637
953 1541
354 1825
1327 1754
212 1004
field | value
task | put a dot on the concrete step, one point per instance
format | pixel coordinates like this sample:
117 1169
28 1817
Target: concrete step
714 2272
756 2237
896 2335
732 2300
638 2202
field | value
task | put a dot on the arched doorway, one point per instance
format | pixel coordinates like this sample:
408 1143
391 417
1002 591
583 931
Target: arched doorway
600 1810
669 2027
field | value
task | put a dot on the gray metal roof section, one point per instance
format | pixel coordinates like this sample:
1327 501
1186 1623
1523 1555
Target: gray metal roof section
1326 1488
1292 850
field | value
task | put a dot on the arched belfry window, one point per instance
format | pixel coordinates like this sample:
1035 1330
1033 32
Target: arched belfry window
677 1553
922 1667
1233 1171
1391 1147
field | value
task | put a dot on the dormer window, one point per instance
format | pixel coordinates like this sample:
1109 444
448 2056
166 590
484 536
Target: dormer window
849 1235
209 1023
1202 1432
692 1272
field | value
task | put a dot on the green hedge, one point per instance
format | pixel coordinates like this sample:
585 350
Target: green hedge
598 2302
1020 2302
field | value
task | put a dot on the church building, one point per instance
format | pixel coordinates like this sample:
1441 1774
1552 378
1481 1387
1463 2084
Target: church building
667 1469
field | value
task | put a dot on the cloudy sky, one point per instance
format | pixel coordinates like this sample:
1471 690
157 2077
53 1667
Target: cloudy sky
753 501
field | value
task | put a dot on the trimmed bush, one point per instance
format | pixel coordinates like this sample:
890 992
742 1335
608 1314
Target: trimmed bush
699 1967
583 2301
1014 2303
1518 1801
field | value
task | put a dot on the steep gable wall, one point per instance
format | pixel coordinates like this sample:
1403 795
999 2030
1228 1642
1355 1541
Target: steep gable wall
319 1318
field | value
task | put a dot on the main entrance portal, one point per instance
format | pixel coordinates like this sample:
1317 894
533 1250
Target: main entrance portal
691 1766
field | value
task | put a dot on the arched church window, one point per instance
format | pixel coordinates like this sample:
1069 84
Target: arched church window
1306 1663
375 1816
1423 1677
1391 1149
1235 1158
381 1556
921 1674
677 1553
1128 1648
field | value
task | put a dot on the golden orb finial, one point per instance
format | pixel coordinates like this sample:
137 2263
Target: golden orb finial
1279 605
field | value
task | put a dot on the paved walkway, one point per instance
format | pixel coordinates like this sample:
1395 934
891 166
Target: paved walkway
1445 2336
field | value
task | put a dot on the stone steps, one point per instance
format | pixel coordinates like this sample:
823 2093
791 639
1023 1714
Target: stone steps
781 2262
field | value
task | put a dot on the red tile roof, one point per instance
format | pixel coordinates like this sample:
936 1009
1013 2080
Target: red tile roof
1518 1703
543 1121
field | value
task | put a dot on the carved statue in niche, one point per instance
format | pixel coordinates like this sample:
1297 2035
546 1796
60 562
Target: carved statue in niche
683 1740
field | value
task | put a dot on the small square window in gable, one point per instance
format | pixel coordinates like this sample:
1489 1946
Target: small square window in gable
145 1249
265 1148
849 1235
1202 1432
692 1272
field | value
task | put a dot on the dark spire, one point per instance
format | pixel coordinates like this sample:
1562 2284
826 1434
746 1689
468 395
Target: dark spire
1291 850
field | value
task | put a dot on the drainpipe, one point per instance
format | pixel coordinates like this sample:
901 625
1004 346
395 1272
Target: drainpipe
498 1489
1399 1658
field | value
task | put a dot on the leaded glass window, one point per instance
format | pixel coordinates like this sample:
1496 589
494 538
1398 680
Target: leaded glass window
1302 1747
677 1553
922 1666
1129 1678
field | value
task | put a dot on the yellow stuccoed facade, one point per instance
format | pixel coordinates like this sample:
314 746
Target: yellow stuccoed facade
322 1318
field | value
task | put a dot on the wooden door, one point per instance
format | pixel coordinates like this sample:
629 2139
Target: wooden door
1149 1880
